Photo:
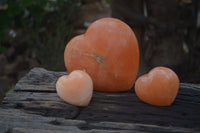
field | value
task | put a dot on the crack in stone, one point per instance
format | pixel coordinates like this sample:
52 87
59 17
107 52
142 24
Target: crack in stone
98 58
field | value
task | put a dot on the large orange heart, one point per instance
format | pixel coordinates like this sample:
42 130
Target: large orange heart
108 52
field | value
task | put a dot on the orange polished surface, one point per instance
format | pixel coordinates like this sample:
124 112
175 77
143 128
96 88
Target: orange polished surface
75 88
108 52
159 87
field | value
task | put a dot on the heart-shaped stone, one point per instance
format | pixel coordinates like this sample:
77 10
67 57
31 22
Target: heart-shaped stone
75 88
159 87
108 51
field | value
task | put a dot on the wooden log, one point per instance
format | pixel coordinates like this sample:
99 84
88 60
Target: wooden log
15 119
36 107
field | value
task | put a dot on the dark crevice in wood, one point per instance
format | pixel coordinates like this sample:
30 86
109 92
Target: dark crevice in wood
79 112
9 130
39 91
55 122
51 112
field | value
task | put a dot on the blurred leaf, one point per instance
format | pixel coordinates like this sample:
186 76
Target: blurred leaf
185 48
14 8
2 35
10 91
2 2
36 12
4 21
3 50
108 2
26 3
3 7
42 3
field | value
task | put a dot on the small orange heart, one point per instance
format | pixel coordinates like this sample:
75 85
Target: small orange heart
75 88
159 87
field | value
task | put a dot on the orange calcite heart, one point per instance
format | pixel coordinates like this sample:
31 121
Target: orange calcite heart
75 88
108 52
159 87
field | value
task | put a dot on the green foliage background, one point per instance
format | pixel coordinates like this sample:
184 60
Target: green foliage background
46 26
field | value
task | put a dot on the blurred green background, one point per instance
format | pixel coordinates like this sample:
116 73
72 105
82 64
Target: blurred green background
42 26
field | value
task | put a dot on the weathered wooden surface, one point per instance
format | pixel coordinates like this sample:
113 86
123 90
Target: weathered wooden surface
35 107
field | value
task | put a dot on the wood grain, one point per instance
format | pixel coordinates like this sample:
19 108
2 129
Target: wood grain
35 107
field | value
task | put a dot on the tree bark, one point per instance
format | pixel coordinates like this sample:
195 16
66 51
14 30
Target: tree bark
161 28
